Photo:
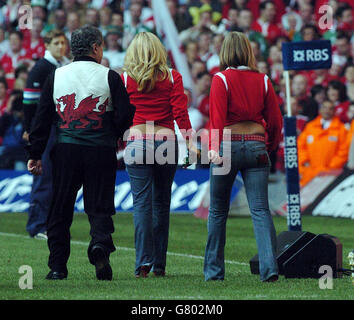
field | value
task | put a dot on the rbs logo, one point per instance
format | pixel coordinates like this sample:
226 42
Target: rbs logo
310 55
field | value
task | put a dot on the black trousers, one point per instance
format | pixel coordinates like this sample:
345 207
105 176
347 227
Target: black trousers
74 166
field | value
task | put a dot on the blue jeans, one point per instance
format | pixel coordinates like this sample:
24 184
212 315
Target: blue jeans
151 189
251 158
41 193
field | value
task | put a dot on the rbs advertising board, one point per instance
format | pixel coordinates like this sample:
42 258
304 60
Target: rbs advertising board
307 55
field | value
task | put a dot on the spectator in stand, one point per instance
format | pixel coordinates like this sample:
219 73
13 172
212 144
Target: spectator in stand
349 81
322 146
203 90
275 59
105 20
263 67
299 87
136 24
117 20
34 44
337 94
245 21
4 96
180 19
12 152
343 22
213 63
291 24
306 13
204 46
310 106
229 22
308 32
59 21
256 50
92 17
14 57
39 10
205 24
191 51
265 23
72 23
4 43
342 49
21 75
113 52
197 68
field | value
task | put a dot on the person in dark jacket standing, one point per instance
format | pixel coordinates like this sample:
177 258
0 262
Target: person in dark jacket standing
41 193
91 109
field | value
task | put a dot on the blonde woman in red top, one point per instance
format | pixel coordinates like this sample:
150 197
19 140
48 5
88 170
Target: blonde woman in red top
243 101
152 151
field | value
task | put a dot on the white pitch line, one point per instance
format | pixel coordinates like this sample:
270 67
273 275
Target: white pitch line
82 243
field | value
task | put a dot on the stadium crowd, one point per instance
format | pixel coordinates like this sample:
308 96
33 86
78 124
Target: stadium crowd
322 98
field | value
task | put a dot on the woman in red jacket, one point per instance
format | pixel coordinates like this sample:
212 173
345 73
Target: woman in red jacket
152 151
243 101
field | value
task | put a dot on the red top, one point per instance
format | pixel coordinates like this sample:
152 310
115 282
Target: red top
164 104
243 95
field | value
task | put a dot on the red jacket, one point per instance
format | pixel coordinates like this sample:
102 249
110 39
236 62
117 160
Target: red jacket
164 104
243 95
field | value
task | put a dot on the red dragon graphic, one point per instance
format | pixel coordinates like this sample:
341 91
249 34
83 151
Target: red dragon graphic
83 113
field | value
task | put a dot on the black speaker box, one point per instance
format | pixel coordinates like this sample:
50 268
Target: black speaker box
300 254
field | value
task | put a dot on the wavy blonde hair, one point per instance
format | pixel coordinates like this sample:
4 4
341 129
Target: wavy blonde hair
146 61
237 51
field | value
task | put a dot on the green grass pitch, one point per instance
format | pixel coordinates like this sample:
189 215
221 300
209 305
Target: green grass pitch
184 279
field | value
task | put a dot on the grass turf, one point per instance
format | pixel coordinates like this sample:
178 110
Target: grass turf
184 279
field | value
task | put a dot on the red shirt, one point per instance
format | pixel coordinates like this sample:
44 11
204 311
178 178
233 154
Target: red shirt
164 104
243 95
269 30
9 63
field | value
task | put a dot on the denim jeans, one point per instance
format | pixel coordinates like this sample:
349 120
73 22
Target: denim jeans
41 193
151 184
251 158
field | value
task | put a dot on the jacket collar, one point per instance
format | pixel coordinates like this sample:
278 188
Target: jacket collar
85 58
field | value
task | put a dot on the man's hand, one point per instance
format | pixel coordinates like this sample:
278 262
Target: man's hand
25 136
34 167
214 157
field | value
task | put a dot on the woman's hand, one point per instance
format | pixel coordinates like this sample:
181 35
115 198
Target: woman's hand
214 157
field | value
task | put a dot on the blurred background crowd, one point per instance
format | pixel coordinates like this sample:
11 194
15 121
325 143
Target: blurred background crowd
202 26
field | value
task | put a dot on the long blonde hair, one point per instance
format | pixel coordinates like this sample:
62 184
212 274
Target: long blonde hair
146 61
236 50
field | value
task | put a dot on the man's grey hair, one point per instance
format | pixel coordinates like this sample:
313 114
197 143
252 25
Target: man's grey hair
83 39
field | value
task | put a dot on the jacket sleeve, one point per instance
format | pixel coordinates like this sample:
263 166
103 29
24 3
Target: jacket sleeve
341 156
273 118
179 102
43 120
217 112
123 110
32 93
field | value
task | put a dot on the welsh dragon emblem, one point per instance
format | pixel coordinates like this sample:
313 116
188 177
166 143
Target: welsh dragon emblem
84 115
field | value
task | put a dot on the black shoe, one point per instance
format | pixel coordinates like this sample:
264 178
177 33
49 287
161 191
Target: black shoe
55 275
101 262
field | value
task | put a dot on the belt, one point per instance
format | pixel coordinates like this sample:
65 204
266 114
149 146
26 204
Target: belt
156 137
245 137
